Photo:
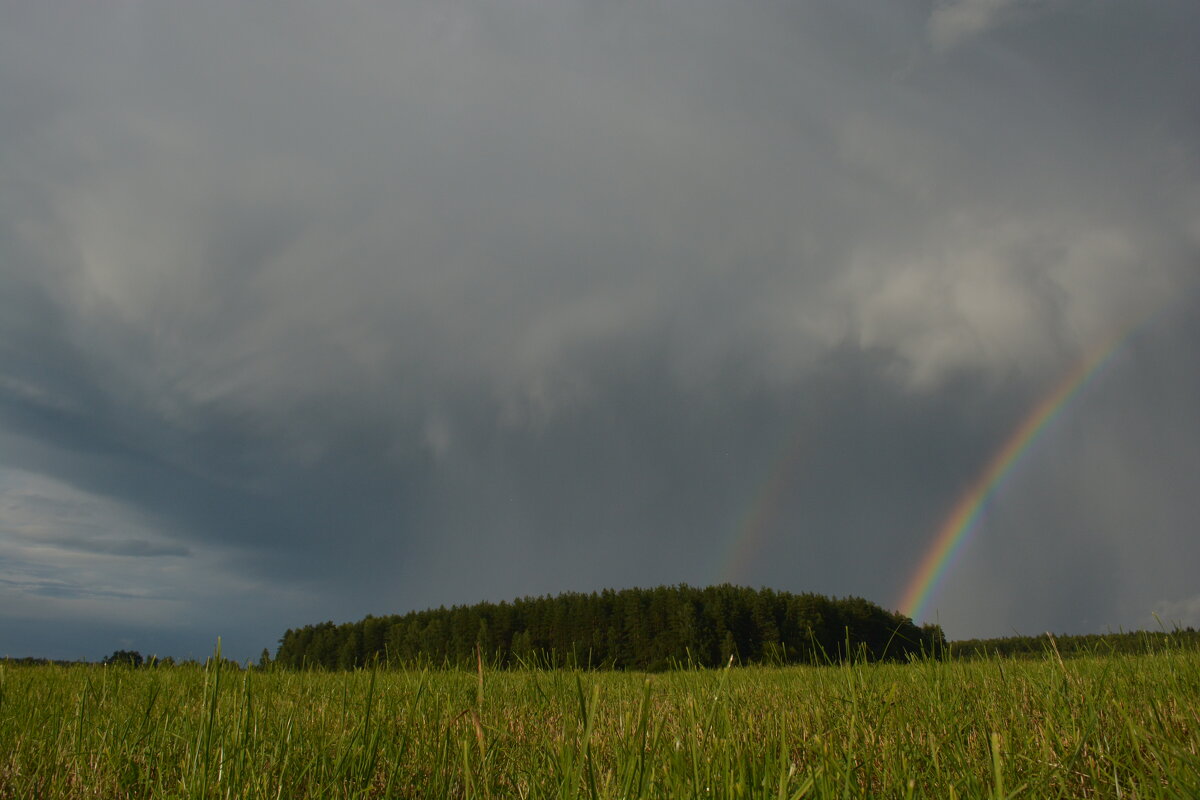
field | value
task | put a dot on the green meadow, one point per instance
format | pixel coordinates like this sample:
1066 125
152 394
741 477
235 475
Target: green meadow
1112 726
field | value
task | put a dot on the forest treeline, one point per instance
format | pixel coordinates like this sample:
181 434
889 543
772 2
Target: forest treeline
645 629
1067 645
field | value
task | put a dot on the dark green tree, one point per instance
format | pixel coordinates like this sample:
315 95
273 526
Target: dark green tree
128 658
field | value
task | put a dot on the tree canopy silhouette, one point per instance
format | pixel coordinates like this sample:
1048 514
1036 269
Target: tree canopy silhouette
646 629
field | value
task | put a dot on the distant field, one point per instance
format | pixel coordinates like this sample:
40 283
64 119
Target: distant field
1118 726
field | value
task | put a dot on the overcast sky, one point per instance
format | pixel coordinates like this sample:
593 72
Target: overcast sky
311 310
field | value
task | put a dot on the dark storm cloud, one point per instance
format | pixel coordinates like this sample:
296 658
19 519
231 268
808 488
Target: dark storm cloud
375 307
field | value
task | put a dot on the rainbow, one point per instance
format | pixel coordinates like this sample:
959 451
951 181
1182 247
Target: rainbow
747 542
962 517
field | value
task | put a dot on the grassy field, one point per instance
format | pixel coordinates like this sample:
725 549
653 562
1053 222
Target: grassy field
1115 726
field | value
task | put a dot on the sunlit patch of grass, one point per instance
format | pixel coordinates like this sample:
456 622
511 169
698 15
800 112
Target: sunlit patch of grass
1118 726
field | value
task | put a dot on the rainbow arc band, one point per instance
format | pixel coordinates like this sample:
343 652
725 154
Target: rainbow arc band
960 522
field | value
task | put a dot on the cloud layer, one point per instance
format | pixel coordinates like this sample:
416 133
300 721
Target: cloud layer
314 312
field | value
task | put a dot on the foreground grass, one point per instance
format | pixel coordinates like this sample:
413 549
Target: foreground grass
1115 726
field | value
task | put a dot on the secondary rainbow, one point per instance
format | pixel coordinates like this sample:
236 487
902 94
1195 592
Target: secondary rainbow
763 508
962 517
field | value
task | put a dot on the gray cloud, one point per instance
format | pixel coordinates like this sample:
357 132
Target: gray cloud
1182 612
62 589
131 548
954 22
365 309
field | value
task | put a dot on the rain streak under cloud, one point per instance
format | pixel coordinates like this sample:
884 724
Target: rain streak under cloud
314 311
